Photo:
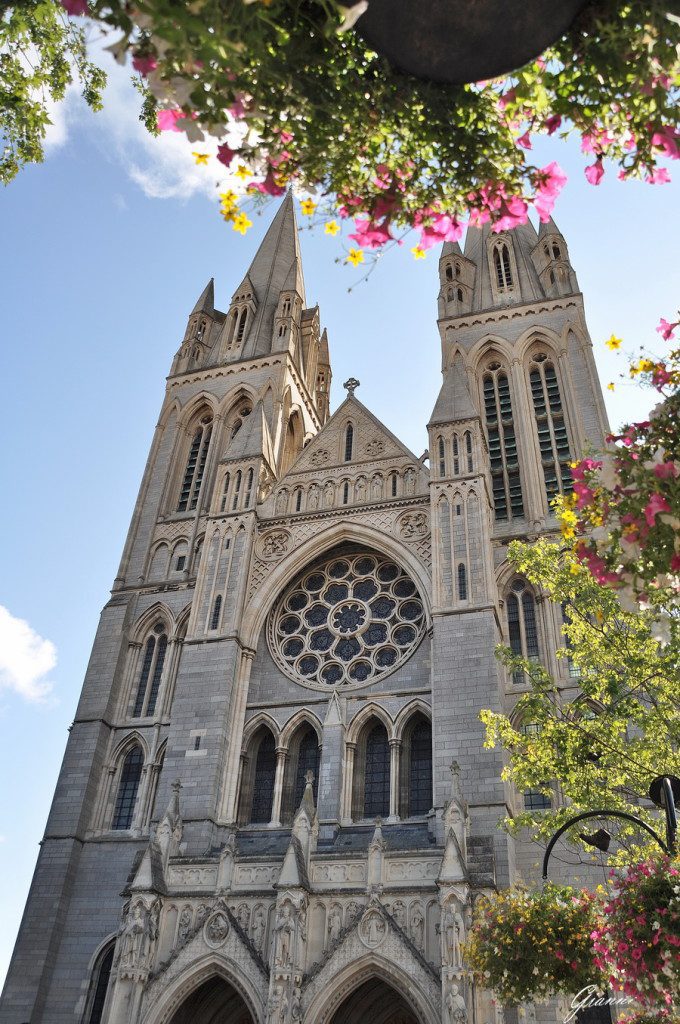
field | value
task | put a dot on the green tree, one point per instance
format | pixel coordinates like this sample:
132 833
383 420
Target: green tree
41 53
604 744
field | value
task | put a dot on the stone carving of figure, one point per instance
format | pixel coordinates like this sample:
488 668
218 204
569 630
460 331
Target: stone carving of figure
377 487
455 1006
360 489
243 916
414 525
274 1003
296 1006
334 925
313 497
217 928
329 494
283 929
351 912
399 914
258 928
275 544
184 927
134 936
202 914
281 502
417 926
283 1007
453 937
410 481
302 922
375 929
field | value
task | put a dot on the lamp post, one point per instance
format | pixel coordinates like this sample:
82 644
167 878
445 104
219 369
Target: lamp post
664 792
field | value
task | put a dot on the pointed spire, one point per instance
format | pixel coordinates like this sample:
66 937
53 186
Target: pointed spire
206 300
307 803
548 227
277 264
253 439
450 249
454 401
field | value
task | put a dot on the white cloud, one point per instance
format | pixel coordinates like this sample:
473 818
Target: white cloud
25 658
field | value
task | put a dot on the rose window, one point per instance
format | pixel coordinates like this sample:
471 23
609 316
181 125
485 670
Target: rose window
346 622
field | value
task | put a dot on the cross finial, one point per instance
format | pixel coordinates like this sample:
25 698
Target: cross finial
351 385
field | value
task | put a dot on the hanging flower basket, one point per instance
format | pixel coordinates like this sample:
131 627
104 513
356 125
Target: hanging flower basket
286 92
532 945
638 940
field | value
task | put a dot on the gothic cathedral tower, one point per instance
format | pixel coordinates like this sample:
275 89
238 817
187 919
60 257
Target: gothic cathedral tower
275 806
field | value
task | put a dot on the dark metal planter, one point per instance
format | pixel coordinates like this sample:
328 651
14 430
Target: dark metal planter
460 41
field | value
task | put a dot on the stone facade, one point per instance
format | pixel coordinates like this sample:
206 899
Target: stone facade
246 826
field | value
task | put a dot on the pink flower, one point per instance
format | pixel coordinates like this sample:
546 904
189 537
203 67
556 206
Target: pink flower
552 123
513 212
659 176
666 330
595 172
76 8
269 187
145 65
665 470
657 503
238 109
506 98
225 155
675 563
666 139
524 141
167 120
550 181
369 234
286 137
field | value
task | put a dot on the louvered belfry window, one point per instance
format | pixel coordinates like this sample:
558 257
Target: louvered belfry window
553 442
505 478
195 467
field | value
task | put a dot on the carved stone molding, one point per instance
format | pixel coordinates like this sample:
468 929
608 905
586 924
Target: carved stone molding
413 526
273 545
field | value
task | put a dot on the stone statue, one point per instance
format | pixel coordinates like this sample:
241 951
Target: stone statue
259 926
296 1006
417 926
329 494
377 487
281 502
360 489
134 936
185 921
455 1006
313 497
283 930
454 929
334 925
410 481
399 914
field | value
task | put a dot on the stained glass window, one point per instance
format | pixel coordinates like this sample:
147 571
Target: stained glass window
377 773
420 774
308 760
100 982
265 772
130 776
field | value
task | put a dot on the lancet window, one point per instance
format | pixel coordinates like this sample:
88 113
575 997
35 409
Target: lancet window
502 267
500 426
151 672
195 467
522 628
553 441
128 787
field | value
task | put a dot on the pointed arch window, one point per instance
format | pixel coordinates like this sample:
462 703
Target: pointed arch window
393 484
502 267
349 442
298 499
505 477
574 670
216 612
442 456
420 769
195 467
449 272
265 772
249 489
99 984
345 492
522 628
225 491
468 450
377 773
462 582
550 425
128 787
534 799
456 457
151 672
233 328
237 489
241 326
304 753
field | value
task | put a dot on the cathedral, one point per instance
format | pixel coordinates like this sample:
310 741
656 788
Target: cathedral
275 806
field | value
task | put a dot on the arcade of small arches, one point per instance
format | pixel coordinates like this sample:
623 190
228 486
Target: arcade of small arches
388 770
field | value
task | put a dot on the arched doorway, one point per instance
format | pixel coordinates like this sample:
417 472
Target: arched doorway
213 1002
376 1002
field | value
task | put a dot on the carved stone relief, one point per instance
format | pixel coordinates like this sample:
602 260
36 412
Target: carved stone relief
273 545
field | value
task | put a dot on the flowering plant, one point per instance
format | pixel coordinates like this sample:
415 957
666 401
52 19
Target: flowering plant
662 1015
624 516
638 939
284 92
530 945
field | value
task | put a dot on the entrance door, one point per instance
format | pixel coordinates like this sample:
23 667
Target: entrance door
374 1002
214 1002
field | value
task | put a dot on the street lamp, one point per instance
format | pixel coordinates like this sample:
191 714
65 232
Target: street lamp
664 792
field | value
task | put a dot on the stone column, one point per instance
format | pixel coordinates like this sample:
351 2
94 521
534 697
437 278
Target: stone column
281 758
348 784
395 750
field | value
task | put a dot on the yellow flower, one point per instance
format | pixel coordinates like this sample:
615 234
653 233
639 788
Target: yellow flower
200 158
308 206
355 257
228 214
613 343
241 223
242 172
332 227
645 366
418 252
228 198
610 386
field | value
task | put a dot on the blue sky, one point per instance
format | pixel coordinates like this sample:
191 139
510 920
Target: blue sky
106 247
